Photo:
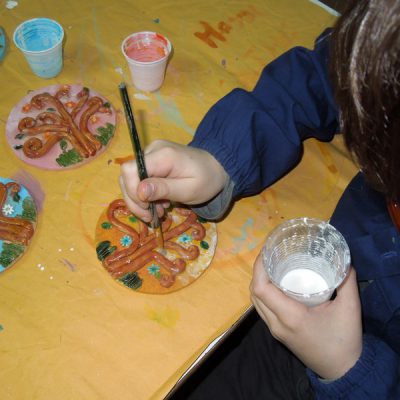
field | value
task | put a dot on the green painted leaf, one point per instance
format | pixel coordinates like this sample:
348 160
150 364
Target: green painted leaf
70 157
132 280
28 209
16 197
10 252
104 249
106 225
204 245
105 133
63 145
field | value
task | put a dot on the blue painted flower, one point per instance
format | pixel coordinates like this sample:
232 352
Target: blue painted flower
153 269
184 238
126 241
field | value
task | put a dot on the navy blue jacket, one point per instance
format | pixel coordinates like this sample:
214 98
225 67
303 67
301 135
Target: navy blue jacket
257 137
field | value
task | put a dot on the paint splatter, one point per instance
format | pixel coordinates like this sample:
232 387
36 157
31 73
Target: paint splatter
223 62
121 160
166 317
141 96
1 328
119 70
246 236
11 4
156 20
68 263
172 113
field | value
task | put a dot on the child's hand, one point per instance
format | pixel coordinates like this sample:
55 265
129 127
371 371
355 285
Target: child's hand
326 338
176 172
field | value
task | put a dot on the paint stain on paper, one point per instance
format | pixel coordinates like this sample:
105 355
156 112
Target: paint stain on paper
245 236
11 4
68 263
172 113
141 96
166 317
121 160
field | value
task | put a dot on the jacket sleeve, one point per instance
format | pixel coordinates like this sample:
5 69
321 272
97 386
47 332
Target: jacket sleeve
257 136
374 376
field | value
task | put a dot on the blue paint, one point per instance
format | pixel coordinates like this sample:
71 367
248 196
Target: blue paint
172 113
2 43
241 240
40 40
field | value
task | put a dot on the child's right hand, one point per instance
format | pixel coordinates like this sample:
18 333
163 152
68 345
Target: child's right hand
176 172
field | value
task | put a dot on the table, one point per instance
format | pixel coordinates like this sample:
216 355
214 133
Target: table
67 330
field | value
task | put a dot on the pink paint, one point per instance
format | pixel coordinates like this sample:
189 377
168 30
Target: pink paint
146 47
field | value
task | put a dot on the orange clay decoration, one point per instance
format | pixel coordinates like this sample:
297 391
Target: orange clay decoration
188 243
61 125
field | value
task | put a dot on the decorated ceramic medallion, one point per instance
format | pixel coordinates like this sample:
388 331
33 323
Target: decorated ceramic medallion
60 126
131 251
17 221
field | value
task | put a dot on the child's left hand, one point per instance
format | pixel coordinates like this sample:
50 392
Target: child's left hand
326 338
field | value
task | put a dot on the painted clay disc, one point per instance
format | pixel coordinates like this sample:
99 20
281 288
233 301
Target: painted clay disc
17 221
129 249
60 126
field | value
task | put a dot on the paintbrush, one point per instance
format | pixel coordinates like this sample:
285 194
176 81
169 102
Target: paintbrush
141 166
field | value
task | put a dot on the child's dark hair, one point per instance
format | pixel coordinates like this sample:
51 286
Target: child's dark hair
365 70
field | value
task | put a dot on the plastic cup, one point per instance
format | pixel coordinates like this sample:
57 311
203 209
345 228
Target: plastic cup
40 40
307 259
147 55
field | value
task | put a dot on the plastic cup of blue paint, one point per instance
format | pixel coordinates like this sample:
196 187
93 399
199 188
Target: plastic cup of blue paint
40 40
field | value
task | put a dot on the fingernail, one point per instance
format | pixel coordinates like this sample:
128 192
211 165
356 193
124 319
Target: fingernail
149 190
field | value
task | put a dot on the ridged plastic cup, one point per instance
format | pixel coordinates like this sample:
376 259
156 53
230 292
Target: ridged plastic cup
307 259
147 55
40 40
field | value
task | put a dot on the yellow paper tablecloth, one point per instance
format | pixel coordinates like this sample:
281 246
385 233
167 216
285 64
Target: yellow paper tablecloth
68 331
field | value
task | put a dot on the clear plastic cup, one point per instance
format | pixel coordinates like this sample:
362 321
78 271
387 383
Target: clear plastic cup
307 259
40 40
147 55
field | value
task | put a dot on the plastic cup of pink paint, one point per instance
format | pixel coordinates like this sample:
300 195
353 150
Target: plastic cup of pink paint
147 55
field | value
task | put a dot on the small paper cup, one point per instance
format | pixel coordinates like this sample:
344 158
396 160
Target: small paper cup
40 40
307 259
147 55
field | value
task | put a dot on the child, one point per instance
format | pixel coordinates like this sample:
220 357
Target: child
349 347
